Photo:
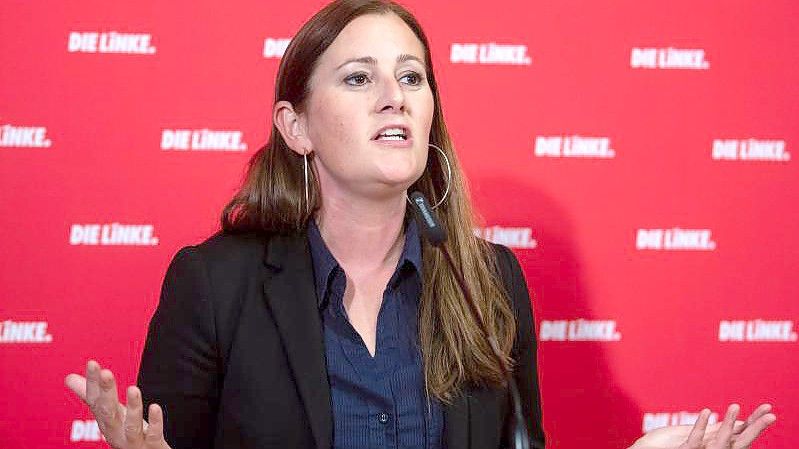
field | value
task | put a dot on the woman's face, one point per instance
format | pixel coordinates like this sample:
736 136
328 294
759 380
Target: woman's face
369 109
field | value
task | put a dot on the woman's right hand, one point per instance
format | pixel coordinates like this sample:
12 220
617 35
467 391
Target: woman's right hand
123 426
729 434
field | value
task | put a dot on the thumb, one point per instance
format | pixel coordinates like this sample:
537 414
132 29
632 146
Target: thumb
77 384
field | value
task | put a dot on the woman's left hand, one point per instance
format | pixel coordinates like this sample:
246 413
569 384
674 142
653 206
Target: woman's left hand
725 435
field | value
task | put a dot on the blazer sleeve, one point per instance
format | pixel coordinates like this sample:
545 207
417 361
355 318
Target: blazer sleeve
524 350
179 368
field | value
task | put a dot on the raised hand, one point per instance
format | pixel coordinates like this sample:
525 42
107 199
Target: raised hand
123 426
729 435
725 435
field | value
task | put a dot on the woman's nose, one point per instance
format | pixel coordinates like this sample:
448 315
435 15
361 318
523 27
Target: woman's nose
392 97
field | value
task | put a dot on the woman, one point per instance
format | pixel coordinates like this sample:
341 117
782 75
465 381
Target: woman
317 317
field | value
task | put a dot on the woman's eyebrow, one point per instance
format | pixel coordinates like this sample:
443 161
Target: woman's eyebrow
406 57
369 60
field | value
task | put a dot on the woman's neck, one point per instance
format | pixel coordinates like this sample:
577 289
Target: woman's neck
362 234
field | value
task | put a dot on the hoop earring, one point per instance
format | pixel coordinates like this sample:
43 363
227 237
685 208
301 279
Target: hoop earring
305 174
449 177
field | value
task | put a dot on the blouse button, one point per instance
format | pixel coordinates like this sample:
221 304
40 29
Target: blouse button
383 417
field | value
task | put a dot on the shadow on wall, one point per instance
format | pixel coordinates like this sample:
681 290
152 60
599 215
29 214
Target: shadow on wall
583 403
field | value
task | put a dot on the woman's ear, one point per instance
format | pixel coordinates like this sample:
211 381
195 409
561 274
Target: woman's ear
292 127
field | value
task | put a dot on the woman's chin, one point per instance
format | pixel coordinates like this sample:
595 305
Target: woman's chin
399 180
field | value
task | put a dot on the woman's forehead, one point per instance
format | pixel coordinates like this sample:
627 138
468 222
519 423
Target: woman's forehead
377 36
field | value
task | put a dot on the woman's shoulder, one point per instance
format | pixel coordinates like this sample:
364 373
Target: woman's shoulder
511 274
226 251
506 260
232 244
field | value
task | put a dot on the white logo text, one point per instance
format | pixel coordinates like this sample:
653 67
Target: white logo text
490 53
110 42
202 140
756 330
578 330
24 332
112 234
668 58
675 239
24 136
574 146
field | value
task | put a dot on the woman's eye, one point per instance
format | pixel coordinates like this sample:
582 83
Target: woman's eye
358 79
413 78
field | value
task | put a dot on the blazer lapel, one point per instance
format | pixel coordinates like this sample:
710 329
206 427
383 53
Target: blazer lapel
291 296
456 423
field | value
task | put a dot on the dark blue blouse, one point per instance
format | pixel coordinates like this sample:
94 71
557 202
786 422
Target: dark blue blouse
378 402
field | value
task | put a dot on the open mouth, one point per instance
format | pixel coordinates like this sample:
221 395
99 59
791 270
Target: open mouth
394 133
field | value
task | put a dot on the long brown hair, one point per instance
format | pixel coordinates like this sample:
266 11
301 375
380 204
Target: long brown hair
272 200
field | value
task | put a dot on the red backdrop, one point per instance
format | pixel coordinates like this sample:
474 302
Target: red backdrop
638 157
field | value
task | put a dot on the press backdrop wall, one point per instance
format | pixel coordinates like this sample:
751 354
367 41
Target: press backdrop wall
639 157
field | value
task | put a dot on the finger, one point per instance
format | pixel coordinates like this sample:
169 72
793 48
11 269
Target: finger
107 408
713 430
77 384
761 410
92 382
698 431
725 431
745 439
134 433
739 425
154 437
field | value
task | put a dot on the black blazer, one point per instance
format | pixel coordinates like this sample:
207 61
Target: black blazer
235 353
